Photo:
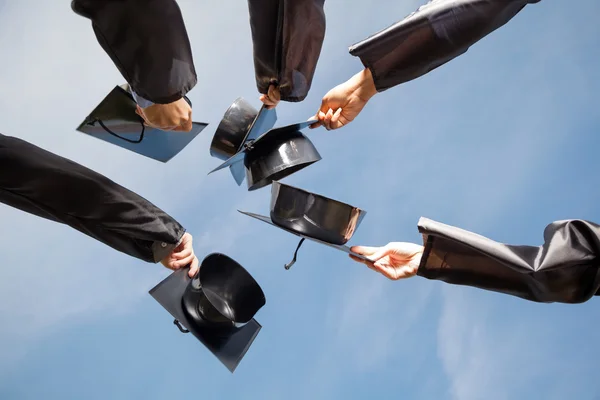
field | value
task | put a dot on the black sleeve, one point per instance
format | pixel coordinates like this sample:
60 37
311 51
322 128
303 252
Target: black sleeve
287 37
147 41
436 33
52 187
565 269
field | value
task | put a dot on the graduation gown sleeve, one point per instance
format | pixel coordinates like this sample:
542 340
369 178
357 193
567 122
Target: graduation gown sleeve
565 268
287 37
44 184
148 42
436 33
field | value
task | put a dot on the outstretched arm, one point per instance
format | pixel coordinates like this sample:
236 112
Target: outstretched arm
435 34
52 187
565 269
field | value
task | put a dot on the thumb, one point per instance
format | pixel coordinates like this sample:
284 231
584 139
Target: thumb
364 250
372 253
316 122
194 266
273 93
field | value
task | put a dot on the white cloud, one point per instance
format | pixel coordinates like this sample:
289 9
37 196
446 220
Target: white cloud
510 130
482 355
367 325
517 356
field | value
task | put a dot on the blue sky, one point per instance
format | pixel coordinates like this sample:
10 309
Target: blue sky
501 141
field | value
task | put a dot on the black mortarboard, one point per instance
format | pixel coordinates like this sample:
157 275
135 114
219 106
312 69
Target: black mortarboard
217 306
246 140
114 120
312 216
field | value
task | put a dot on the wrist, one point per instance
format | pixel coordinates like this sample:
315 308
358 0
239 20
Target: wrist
142 102
365 85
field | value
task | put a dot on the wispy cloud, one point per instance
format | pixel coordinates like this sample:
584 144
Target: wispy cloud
508 357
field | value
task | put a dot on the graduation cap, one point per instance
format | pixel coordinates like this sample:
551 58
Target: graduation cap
312 216
114 120
248 144
217 306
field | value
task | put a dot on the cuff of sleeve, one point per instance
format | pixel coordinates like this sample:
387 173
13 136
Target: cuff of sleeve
428 240
380 84
142 102
162 249
423 271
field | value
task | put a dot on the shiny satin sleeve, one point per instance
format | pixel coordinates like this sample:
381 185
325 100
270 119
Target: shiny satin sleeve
287 37
436 33
147 41
52 187
564 269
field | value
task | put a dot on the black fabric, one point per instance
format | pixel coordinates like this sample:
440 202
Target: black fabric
565 269
436 33
148 42
287 37
52 187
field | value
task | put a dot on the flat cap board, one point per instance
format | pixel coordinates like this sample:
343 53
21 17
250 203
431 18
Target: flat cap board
264 121
116 113
343 248
288 129
238 171
229 350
